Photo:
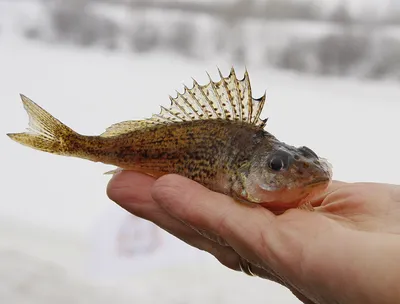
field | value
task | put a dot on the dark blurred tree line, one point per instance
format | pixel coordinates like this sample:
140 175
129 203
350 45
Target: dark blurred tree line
354 47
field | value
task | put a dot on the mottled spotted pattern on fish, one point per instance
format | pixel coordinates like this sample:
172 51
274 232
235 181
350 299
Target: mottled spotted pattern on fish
212 134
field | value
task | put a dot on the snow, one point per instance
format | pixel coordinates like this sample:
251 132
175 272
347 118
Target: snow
58 229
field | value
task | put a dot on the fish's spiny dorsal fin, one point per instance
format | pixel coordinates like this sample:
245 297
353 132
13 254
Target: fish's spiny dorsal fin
227 99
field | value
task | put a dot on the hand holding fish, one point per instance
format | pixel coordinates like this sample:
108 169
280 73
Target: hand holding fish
347 251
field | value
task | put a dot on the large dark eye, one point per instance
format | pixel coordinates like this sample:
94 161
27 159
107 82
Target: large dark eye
307 152
276 164
279 161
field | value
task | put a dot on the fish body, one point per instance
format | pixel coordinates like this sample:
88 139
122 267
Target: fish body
211 134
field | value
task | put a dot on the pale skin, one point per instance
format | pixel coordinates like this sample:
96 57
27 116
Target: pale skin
346 251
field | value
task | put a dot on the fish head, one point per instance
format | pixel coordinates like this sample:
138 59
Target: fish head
288 175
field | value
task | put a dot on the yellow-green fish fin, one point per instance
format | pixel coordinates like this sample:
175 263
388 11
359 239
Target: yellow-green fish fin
114 171
45 132
126 127
228 99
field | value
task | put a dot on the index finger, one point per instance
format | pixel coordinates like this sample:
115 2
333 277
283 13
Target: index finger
239 224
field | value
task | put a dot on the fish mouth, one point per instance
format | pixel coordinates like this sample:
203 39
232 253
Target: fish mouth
317 181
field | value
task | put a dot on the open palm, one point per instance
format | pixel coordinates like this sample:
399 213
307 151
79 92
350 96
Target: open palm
347 251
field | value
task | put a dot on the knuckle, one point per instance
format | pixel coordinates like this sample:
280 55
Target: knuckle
165 188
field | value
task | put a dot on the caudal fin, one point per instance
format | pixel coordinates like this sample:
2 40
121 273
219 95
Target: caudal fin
45 132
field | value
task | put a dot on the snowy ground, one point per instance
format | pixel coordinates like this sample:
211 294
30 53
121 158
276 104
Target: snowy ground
58 228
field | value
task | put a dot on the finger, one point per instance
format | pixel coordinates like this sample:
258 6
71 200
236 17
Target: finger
238 224
272 276
334 186
302 297
131 190
252 270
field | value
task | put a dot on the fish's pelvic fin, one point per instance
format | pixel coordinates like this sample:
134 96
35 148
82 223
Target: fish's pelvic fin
306 206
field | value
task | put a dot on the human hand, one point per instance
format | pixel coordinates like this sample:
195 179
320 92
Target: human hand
347 251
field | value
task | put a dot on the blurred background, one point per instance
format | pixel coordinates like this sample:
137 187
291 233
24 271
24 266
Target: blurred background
331 69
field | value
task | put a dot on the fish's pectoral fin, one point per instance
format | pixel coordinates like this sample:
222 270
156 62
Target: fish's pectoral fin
242 200
306 206
240 194
239 191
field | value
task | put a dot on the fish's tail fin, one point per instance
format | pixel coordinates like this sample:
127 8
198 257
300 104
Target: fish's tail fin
45 132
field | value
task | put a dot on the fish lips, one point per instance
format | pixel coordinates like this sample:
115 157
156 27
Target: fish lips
317 181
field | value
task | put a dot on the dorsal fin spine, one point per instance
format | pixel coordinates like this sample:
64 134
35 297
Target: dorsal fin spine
228 95
170 112
188 104
233 74
209 103
249 96
260 108
174 102
216 94
160 117
195 100
195 84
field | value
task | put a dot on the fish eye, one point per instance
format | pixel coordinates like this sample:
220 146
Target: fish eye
276 164
307 152
279 161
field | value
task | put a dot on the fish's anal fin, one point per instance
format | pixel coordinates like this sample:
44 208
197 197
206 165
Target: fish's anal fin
229 98
155 174
114 171
306 206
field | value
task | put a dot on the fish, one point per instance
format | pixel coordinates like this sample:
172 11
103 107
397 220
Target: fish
212 134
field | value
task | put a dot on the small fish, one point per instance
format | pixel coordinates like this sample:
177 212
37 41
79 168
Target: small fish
212 134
